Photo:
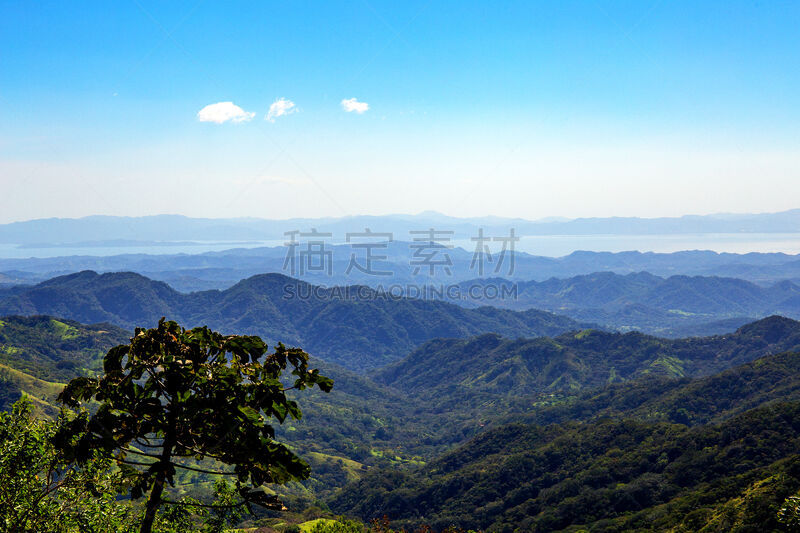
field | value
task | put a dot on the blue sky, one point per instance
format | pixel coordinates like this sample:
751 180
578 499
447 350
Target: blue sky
526 109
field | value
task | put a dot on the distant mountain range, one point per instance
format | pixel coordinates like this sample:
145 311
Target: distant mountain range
220 270
97 229
358 329
675 306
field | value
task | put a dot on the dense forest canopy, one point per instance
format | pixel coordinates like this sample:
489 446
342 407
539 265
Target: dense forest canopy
393 442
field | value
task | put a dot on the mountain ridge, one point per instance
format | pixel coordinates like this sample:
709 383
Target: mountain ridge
356 330
180 227
491 364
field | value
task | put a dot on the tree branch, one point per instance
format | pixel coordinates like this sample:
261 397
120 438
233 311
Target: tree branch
148 443
197 452
177 465
204 471
128 450
208 505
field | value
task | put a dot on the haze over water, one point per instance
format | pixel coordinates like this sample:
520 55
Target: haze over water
542 245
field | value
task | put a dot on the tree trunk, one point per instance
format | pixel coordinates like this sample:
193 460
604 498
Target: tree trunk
154 501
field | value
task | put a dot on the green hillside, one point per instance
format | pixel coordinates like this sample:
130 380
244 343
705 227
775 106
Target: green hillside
492 365
55 349
38 354
608 475
14 384
398 428
693 402
487 432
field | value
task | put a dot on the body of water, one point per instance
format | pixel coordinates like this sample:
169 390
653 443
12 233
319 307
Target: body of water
12 251
544 245
738 243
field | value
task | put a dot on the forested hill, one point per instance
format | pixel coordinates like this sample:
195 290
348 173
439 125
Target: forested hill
55 349
354 327
708 295
661 306
581 454
607 475
705 400
590 358
38 354
618 458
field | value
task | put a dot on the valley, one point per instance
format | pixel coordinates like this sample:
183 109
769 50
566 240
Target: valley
454 407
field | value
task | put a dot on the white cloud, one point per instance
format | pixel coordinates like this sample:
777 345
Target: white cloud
352 104
222 112
279 108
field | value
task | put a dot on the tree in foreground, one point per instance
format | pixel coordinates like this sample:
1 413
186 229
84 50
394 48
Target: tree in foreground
195 400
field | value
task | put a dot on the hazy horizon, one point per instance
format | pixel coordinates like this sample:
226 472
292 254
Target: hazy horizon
551 236
543 219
